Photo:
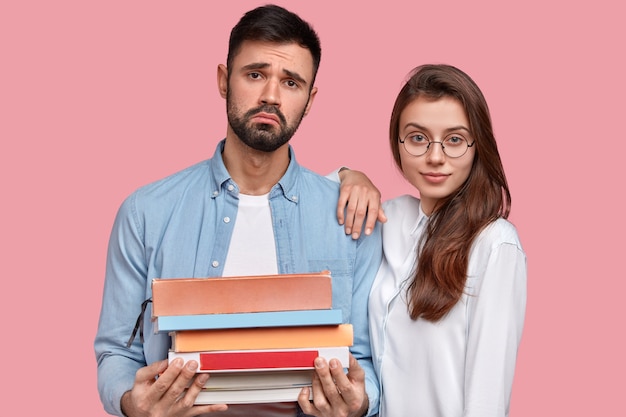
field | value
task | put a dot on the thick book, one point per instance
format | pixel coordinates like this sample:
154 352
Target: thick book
247 320
262 338
251 396
242 294
262 359
259 380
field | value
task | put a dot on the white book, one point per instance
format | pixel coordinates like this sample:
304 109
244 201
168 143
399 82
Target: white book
252 396
258 380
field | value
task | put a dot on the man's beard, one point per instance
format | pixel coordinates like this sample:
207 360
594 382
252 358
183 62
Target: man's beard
259 136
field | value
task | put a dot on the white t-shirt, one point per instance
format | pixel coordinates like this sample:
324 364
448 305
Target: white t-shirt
252 251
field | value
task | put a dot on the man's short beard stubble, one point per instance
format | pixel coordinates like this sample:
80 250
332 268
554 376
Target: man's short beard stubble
261 137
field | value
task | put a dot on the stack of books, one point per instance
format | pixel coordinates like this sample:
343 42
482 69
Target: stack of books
257 336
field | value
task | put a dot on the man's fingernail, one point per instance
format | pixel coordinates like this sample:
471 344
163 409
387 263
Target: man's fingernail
319 363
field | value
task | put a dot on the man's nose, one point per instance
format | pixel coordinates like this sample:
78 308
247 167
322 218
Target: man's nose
271 93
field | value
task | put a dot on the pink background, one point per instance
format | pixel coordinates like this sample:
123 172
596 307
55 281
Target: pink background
99 98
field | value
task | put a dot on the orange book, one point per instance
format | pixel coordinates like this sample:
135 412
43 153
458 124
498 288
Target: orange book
244 294
262 338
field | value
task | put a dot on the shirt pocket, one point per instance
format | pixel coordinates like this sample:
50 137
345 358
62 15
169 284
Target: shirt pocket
341 272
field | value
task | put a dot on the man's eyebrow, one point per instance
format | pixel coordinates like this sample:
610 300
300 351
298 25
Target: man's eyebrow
256 65
263 65
296 77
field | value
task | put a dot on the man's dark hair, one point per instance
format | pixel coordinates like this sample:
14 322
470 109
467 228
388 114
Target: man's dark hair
273 23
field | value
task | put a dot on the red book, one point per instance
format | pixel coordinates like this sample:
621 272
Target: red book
251 360
256 360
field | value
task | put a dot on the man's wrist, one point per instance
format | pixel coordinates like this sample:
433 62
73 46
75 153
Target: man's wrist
124 403
364 411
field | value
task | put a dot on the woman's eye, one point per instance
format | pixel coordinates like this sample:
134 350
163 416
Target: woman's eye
454 140
418 138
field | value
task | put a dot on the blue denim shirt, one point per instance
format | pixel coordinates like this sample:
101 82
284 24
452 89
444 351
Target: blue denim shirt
181 226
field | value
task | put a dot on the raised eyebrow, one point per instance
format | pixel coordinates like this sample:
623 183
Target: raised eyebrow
255 66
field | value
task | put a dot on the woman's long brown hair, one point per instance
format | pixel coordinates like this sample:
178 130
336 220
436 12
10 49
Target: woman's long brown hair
443 252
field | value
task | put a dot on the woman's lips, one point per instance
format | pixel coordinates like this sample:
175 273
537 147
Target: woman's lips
435 177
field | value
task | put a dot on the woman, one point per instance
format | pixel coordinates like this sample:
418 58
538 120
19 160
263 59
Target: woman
447 306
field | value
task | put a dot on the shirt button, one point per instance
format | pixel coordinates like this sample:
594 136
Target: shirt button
226 219
215 264
215 193
230 187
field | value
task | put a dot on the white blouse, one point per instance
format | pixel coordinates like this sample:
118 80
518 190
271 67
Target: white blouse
462 365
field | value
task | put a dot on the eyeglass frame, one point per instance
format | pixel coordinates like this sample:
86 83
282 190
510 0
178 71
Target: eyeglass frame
443 148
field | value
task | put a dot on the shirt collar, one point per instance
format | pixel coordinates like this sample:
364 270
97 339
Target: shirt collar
287 185
420 221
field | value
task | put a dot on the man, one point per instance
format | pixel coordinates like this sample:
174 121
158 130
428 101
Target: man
250 209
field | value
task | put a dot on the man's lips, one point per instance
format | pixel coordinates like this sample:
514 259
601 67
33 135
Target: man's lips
266 118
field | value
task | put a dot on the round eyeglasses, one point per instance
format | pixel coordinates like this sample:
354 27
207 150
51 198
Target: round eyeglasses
453 145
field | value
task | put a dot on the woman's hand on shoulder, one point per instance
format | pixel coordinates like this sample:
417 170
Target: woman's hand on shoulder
359 203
